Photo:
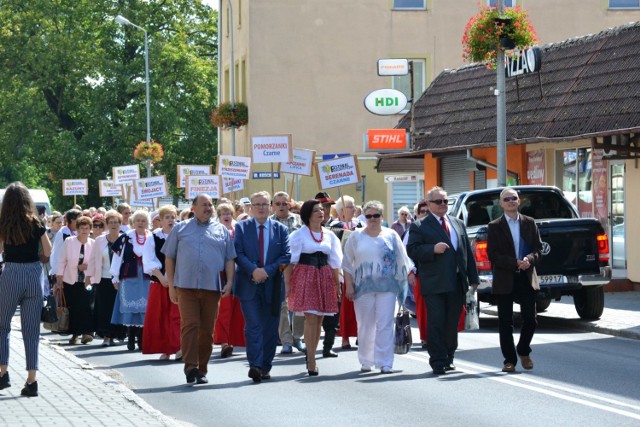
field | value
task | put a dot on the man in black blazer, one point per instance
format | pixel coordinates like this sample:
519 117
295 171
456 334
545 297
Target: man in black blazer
440 248
514 248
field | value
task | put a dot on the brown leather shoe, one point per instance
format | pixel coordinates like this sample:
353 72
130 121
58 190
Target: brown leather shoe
526 362
509 367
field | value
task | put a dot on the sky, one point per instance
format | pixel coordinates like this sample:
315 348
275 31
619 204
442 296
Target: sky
212 3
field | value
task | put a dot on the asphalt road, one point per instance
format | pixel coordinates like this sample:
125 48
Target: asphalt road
580 378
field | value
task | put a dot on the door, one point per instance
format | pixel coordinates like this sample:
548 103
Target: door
617 215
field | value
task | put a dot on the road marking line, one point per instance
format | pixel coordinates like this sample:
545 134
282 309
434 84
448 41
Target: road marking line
476 369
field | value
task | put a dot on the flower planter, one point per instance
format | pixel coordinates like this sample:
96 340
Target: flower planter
226 116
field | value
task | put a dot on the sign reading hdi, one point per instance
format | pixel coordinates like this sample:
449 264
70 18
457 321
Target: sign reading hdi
385 102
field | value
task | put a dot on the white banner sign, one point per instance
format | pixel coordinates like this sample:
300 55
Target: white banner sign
125 174
301 163
337 172
108 188
191 170
229 185
150 188
208 184
75 187
234 167
271 149
133 201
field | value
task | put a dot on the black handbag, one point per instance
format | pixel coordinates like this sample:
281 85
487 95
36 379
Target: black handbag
403 339
49 311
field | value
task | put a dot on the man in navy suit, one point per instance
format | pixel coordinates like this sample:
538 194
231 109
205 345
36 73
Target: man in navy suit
440 248
262 248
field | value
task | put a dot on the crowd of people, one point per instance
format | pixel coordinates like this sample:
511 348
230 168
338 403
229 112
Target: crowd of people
257 273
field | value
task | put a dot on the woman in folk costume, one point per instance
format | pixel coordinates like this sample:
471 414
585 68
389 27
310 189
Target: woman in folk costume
162 318
129 278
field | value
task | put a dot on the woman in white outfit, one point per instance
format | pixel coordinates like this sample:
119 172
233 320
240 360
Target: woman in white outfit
376 269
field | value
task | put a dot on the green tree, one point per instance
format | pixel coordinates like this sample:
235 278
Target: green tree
72 88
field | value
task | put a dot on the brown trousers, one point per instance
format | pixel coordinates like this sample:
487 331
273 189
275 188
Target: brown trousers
198 312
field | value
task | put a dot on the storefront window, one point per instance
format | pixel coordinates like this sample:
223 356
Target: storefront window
574 178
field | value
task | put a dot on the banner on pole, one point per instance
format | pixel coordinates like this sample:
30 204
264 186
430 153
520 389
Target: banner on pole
337 172
108 188
301 162
134 202
234 167
271 149
207 184
229 185
191 170
150 188
125 174
75 187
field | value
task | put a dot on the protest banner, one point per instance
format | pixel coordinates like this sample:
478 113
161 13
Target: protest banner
234 167
337 172
150 188
108 188
207 184
191 170
230 185
134 202
125 174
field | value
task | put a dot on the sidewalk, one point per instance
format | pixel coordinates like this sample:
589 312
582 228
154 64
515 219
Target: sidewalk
621 315
70 393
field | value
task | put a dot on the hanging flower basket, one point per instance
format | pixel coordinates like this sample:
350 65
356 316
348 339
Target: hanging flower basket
148 151
489 31
226 116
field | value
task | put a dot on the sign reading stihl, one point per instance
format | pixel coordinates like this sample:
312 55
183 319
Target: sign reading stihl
381 140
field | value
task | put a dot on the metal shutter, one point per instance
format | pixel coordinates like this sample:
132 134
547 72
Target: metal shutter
405 194
454 175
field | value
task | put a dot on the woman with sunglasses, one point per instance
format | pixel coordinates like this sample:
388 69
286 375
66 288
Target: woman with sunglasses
314 282
105 291
376 269
401 226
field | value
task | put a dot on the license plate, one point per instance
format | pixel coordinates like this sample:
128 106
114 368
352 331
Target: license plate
552 278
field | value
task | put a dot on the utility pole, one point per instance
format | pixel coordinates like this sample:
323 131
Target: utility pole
501 111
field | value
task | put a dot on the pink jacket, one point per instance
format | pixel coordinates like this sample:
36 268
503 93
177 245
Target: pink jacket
68 259
95 266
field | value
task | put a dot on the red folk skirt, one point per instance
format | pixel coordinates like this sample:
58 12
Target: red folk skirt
229 328
313 289
348 322
161 322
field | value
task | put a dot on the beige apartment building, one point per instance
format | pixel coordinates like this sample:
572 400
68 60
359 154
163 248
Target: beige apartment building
304 67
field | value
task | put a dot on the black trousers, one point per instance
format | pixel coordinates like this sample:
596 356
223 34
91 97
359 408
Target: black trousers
526 295
443 315
80 302
330 325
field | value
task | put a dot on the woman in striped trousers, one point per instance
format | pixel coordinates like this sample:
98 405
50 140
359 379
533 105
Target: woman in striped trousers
21 233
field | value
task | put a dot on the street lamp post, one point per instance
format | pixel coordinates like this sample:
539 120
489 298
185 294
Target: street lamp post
232 80
124 21
501 113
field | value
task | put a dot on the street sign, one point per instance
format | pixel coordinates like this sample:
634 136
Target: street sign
400 178
266 175
393 67
385 102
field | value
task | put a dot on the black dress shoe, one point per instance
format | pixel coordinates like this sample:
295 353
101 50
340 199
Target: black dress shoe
4 381
439 371
329 353
30 390
201 379
192 375
265 376
450 367
313 373
255 374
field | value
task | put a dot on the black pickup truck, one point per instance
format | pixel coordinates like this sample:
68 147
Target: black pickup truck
575 250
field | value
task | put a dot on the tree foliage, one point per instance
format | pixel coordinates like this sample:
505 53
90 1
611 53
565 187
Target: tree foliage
72 88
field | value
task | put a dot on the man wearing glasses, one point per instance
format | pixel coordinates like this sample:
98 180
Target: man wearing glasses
440 248
514 247
262 246
280 207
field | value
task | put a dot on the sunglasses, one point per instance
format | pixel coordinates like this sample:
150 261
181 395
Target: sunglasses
440 201
403 214
98 225
510 199
376 216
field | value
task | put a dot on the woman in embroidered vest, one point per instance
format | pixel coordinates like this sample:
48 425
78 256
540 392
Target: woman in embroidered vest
162 319
376 268
229 328
73 272
104 289
314 284
130 280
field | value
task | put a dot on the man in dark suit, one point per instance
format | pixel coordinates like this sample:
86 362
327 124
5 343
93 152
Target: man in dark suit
514 248
440 248
262 247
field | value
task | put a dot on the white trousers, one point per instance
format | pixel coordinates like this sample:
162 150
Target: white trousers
375 313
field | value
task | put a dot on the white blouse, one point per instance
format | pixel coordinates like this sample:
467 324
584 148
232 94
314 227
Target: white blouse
138 249
301 242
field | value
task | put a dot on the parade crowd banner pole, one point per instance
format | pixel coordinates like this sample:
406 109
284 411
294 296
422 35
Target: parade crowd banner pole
301 163
272 149
233 167
338 172
75 187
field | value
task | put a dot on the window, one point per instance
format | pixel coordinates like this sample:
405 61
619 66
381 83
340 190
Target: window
403 83
410 4
624 4
507 3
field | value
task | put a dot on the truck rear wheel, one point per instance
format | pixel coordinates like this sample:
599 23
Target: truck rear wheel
542 304
589 302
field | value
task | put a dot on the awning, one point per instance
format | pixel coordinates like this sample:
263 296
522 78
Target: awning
401 162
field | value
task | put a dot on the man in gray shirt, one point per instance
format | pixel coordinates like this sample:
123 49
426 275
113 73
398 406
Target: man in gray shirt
196 251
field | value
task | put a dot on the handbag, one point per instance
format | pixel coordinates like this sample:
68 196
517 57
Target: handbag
62 324
403 338
535 281
49 311
472 318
